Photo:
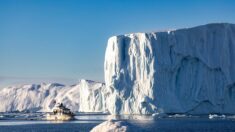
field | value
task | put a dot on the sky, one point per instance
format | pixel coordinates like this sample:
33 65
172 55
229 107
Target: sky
66 39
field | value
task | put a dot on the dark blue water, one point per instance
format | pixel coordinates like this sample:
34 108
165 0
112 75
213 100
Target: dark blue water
187 125
87 122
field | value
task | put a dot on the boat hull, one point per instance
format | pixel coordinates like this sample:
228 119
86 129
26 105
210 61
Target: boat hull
59 117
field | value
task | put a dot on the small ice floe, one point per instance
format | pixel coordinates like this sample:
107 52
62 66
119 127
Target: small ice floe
159 115
213 116
115 126
177 116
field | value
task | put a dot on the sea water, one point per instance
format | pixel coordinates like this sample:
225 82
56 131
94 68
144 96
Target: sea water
33 122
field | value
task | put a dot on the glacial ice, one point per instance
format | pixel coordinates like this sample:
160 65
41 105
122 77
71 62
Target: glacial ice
182 71
115 126
85 96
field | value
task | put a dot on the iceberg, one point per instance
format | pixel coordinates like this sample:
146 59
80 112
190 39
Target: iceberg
185 71
85 96
115 126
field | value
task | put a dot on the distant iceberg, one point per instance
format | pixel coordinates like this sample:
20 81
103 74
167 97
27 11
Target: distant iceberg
85 96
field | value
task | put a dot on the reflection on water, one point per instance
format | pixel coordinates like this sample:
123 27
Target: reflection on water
22 122
39 118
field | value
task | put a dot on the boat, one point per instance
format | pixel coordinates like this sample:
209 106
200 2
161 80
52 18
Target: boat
60 113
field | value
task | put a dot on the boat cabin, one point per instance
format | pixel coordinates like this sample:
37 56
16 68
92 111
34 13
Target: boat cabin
61 109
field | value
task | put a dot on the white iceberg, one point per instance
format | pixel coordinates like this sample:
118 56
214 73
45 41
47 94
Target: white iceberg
115 126
85 96
186 71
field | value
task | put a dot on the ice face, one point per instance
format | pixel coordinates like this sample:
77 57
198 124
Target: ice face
183 71
85 96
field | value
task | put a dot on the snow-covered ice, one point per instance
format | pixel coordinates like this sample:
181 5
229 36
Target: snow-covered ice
213 116
85 96
115 126
188 71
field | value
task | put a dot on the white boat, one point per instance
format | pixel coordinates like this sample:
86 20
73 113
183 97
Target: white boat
60 113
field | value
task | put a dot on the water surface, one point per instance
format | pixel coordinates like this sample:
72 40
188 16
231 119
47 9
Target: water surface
32 122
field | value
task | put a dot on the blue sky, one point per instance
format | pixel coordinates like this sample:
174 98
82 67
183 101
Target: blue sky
66 39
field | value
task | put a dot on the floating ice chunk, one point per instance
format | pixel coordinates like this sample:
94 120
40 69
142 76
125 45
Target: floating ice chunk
115 126
212 116
178 116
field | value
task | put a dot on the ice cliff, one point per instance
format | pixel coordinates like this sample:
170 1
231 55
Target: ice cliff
85 96
182 71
